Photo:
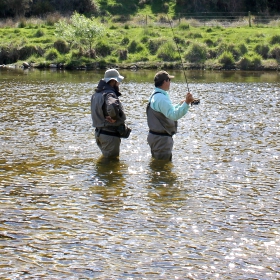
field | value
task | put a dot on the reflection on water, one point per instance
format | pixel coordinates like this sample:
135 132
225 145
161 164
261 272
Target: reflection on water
68 213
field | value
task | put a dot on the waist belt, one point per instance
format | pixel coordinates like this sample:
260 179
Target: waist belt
111 133
159 133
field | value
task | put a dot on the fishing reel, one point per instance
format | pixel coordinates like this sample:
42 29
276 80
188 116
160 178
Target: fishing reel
195 102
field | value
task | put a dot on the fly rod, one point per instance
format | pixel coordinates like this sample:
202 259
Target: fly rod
196 101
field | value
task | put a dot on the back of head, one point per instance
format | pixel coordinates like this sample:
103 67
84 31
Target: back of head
160 77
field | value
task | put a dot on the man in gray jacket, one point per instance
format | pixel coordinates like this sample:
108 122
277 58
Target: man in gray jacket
162 116
107 114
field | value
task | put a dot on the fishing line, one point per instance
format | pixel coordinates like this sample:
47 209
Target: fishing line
178 49
196 101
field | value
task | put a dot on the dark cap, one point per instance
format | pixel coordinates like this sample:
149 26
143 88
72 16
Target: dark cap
162 76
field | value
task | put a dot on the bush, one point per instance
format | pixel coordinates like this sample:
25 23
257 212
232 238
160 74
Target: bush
184 26
8 55
167 52
226 59
196 53
29 50
235 50
154 45
275 53
243 49
39 33
275 39
103 48
194 35
134 47
256 61
178 40
209 42
61 46
244 63
52 54
262 50
250 62
125 41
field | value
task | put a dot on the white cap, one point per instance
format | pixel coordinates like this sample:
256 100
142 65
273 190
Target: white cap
112 74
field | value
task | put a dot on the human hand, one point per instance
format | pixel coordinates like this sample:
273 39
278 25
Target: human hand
189 98
109 119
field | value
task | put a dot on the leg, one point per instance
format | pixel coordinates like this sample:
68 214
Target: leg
109 145
161 146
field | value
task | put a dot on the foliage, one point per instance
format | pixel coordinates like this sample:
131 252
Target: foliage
29 50
275 39
250 62
275 52
184 26
134 47
197 52
125 8
154 43
167 52
80 29
52 54
103 48
262 49
61 46
226 59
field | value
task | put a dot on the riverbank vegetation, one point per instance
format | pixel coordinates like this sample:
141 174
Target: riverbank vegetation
161 41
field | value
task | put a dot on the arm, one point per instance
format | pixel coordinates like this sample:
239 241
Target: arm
112 107
172 112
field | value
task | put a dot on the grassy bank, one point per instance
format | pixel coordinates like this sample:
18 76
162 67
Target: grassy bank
130 44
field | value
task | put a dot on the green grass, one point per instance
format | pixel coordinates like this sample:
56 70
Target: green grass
245 47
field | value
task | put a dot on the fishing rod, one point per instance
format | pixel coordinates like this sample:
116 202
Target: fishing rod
196 101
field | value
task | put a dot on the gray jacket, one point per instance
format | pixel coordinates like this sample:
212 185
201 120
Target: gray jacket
105 102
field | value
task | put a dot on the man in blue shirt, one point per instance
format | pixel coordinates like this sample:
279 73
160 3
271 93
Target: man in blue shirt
162 117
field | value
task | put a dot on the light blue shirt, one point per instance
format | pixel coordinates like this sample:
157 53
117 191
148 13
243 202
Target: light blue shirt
161 102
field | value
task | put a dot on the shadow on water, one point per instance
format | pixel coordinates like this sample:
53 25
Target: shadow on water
163 185
109 180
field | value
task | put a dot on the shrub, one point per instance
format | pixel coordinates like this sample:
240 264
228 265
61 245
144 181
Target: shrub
262 50
275 52
250 62
244 63
134 47
61 46
256 61
194 35
125 41
154 45
209 42
39 33
242 47
275 39
103 48
52 54
196 53
232 48
226 59
167 51
29 50
178 40
8 55
184 26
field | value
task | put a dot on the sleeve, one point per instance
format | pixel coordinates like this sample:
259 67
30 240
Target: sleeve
170 111
112 105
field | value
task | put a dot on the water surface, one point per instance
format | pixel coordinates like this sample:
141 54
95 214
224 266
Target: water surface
213 213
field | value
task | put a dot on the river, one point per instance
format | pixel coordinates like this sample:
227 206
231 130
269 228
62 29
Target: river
211 213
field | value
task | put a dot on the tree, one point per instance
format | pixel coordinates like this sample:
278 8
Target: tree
19 7
81 29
